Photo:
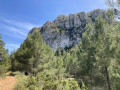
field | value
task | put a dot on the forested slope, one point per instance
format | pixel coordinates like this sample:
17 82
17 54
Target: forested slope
93 64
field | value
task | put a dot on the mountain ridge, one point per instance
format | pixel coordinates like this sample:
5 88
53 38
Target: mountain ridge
67 30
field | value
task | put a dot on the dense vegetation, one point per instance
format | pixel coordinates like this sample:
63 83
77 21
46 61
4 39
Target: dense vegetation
94 64
115 6
4 59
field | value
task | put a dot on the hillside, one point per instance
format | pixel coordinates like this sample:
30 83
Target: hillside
43 62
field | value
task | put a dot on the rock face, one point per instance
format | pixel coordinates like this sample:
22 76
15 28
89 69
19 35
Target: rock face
67 30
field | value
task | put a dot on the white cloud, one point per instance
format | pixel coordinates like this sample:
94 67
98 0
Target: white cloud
12 47
24 25
13 29
18 28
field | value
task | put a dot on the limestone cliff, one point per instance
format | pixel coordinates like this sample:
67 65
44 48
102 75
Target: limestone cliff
67 30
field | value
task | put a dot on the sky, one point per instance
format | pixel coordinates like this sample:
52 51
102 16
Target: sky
18 17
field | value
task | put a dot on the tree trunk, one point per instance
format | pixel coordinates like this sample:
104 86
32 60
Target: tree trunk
75 73
90 77
107 78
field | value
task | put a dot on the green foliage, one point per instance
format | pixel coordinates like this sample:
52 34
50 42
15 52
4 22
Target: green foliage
46 82
34 54
94 63
14 63
4 59
115 6
58 30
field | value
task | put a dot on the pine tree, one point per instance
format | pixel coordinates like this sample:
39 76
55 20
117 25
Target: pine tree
74 62
58 52
34 54
4 59
13 61
115 5
114 68
86 53
103 51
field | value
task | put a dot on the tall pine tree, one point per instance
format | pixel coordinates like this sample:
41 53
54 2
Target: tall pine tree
4 59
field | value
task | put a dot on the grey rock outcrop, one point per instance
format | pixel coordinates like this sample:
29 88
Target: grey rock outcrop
67 30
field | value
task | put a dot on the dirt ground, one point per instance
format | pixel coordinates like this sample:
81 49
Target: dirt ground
8 83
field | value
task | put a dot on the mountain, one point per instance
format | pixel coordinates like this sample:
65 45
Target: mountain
67 30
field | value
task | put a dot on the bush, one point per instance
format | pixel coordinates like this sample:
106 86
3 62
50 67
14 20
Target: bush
3 70
46 82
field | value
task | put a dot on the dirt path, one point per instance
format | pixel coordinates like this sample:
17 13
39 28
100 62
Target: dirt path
8 83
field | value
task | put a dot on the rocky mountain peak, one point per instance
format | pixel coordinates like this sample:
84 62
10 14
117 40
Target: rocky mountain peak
67 30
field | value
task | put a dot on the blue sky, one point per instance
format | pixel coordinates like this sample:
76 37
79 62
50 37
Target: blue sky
18 17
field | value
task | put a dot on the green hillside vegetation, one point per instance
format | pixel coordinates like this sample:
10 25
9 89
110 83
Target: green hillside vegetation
94 64
4 59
